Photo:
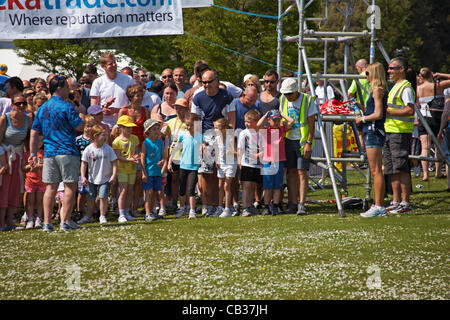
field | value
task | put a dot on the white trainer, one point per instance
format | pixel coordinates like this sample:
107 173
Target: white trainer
103 220
122 219
225 213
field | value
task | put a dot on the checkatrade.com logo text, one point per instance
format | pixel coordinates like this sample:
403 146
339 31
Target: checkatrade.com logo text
78 4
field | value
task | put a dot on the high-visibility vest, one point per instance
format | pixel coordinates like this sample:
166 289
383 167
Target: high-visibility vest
398 124
300 123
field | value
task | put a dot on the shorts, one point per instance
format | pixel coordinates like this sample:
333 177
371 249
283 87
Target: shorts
374 139
65 168
433 123
206 167
294 158
226 171
396 153
273 176
102 190
188 180
251 174
35 188
154 183
129 178
175 167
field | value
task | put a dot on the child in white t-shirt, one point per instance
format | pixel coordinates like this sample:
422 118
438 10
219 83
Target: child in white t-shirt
101 161
226 163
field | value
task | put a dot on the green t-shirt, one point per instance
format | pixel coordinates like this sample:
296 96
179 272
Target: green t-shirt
354 89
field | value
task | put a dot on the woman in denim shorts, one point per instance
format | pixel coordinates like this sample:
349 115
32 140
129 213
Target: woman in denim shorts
374 135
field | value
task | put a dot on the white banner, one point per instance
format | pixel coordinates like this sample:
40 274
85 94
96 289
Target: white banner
196 3
69 19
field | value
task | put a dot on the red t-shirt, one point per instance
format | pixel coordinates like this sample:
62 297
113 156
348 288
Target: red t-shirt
274 144
138 131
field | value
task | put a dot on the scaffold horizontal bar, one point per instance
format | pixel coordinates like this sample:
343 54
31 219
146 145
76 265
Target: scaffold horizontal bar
412 157
359 160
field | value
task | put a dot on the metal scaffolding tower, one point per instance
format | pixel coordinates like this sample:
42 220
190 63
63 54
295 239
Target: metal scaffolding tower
345 36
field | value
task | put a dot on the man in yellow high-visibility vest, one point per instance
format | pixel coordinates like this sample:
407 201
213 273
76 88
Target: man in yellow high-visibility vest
298 141
399 125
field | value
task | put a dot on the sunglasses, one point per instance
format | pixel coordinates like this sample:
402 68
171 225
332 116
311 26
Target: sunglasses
20 104
367 73
289 94
30 94
169 76
143 76
208 82
394 68
270 81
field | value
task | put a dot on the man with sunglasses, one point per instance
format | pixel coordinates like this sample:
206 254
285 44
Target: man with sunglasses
167 75
399 125
298 141
269 98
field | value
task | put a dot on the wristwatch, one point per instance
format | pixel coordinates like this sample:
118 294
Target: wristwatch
309 142
363 120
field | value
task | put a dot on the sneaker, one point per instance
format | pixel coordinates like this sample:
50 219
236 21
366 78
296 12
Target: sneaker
73 225
301 211
38 223
129 217
236 206
136 214
225 213
47 227
292 207
217 211
254 210
256 204
180 212
30 224
209 211
392 206
246 212
404 207
192 214
204 210
151 217
374 211
234 212
63 226
162 212
85 219
266 211
273 209
103 220
122 219
23 219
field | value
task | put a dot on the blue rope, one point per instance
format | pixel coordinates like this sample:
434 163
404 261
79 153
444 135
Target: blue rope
234 51
248 13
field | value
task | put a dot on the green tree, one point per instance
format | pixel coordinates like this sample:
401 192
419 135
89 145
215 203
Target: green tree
66 57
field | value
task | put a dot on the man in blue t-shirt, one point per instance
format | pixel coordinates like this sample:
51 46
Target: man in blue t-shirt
242 105
212 103
58 122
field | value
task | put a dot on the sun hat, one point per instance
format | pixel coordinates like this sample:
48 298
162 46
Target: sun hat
149 123
94 109
289 85
182 102
274 114
126 121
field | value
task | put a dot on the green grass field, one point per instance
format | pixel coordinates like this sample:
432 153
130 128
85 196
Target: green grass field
319 256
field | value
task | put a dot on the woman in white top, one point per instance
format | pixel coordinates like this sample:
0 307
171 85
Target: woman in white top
425 93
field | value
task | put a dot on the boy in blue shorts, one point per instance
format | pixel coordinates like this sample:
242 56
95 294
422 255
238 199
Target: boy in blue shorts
273 158
153 159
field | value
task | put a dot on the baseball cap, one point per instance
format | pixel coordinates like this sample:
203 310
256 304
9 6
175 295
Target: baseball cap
182 102
149 84
94 109
149 123
289 85
126 121
247 76
274 114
